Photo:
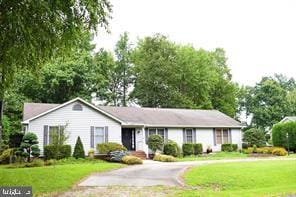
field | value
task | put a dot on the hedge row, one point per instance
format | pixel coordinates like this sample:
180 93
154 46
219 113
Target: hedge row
191 149
57 152
229 147
279 135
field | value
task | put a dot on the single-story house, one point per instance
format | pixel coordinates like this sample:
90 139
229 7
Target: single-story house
129 126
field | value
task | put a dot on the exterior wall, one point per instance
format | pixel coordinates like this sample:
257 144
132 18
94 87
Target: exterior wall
205 136
79 123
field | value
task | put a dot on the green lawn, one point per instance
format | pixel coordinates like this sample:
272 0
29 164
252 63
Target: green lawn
51 178
215 156
262 178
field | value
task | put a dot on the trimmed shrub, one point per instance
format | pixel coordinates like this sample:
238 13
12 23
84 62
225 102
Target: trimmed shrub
279 152
131 160
29 146
106 148
171 148
197 149
78 149
155 142
50 152
234 147
229 147
187 149
279 135
64 151
254 136
164 158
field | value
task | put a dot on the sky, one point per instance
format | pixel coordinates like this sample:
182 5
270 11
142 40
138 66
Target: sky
259 36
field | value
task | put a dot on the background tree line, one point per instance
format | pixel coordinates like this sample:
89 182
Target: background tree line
155 72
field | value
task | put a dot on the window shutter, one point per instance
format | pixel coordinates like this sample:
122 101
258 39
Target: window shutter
184 136
214 136
229 136
92 138
146 135
166 135
106 134
194 136
45 135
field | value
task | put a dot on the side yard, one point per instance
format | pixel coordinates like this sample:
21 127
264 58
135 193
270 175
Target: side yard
55 178
241 179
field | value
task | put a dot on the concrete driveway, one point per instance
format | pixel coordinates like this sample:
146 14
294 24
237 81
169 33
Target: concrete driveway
150 173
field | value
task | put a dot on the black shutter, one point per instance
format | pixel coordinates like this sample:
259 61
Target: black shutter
92 138
194 136
184 136
45 135
106 134
166 135
214 136
146 135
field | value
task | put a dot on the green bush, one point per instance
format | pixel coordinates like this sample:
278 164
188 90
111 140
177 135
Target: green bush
155 142
164 158
187 149
197 149
50 162
254 136
131 160
78 149
279 152
229 147
65 151
29 146
15 139
279 135
6 155
57 152
106 148
171 148
50 152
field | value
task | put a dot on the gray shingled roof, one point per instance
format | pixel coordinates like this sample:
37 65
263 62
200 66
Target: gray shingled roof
151 116
171 117
34 109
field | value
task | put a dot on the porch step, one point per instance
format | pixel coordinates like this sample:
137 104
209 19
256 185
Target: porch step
141 154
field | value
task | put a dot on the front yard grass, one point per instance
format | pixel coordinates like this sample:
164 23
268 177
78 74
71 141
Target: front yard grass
262 178
215 156
51 178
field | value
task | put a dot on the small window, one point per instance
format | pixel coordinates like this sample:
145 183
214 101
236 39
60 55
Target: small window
99 135
156 131
189 135
222 136
53 133
77 107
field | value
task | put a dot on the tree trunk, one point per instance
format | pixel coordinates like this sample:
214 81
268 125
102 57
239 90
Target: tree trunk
1 117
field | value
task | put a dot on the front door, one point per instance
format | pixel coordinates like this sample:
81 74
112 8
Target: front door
128 138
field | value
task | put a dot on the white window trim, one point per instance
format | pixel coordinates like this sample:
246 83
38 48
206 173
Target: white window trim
104 135
187 135
222 135
156 131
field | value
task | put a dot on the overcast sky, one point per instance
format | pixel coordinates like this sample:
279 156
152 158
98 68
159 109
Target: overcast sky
259 36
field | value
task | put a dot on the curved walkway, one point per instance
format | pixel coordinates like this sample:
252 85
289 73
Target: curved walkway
153 173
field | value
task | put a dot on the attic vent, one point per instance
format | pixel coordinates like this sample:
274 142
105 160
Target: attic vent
77 107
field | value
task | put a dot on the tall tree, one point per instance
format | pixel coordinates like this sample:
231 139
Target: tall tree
32 32
267 102
122 73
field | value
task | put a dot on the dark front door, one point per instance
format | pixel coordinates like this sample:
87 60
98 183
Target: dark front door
128 138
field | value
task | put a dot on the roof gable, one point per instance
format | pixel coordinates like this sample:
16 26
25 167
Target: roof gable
53 107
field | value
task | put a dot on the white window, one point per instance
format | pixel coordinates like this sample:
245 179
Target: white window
53 132
99 135
189 135
223 136
156 131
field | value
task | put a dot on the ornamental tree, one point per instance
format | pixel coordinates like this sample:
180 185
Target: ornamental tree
155 142
29 146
